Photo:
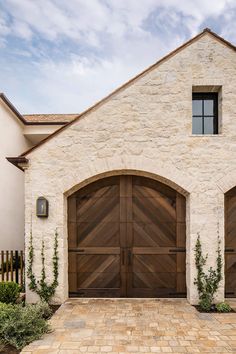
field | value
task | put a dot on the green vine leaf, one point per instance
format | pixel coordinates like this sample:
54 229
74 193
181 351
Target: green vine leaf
41 287
207 282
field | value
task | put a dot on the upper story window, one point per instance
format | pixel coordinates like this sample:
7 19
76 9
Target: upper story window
205 113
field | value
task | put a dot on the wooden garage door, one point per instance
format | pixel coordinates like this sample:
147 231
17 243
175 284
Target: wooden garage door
230 243
126 238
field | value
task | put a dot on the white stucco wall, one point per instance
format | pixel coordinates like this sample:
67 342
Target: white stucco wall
12 143
15 138
145 127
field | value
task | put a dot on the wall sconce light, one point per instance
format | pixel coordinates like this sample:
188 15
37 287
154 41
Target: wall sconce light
42 207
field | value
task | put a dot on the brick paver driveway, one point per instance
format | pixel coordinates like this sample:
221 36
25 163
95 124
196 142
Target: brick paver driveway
136 326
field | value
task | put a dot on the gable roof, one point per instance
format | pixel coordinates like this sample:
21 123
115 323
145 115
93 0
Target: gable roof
122 87
38 119
49 118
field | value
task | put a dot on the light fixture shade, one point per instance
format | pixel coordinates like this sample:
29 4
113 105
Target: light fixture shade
42 207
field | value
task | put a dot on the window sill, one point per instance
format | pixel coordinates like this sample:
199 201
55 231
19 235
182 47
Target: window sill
205 135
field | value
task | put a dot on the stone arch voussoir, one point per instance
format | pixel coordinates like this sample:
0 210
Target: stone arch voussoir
166 173
227 182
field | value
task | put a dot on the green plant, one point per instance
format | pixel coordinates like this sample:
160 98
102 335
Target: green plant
9 292
41 287
20 325
205 304
223 307
45 309
207 283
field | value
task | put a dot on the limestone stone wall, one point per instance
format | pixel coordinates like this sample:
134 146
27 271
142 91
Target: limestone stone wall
145 129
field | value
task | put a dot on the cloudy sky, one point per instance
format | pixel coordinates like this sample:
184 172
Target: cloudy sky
62 56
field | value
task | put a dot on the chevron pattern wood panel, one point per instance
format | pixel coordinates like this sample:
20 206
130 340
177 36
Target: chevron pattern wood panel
156 264
124 232
230 243
94 240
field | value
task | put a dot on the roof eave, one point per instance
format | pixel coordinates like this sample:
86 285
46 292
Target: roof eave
21 162
12 108
45 123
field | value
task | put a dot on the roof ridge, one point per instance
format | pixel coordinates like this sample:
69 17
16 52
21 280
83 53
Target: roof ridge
219 38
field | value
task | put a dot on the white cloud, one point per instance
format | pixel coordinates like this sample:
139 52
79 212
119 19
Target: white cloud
74 85
109 41
77 19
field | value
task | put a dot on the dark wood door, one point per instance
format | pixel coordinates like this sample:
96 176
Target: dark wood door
95 240
126 238
157 241
230 243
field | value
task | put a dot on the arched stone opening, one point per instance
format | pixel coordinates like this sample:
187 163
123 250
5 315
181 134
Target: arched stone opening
127 236
133 172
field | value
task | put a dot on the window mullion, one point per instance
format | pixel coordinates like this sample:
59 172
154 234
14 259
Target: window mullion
202 116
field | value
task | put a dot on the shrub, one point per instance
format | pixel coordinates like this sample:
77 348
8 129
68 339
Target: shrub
223 307
9 292
44 309
20 325
205 304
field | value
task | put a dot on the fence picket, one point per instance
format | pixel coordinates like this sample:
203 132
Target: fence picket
16 267
12 266
2 265
21 268
7 265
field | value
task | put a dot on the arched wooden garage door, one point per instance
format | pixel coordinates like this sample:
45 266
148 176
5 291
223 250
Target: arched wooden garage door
126 239
230 243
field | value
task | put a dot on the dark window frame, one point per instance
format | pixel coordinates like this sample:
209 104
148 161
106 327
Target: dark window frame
207 96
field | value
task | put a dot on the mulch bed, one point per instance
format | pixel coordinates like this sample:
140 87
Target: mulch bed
54 308
213 310
9 350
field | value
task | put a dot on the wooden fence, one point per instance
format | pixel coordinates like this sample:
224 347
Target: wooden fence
12 264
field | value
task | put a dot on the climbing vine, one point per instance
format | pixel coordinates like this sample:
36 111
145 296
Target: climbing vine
41 287
207 282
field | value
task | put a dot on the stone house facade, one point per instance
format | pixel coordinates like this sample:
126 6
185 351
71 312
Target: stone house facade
145 130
